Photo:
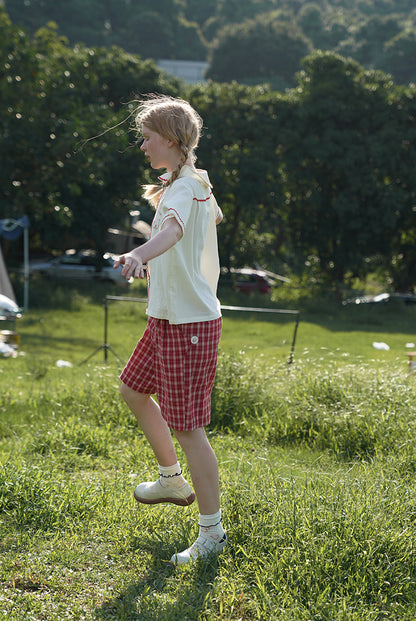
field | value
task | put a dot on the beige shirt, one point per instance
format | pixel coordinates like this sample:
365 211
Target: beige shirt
183 280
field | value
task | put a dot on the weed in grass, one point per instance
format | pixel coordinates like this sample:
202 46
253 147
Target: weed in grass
237 396
31 498
71 436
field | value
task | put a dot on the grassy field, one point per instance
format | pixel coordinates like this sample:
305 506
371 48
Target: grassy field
317 463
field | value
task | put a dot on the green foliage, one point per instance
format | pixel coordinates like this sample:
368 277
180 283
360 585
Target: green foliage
237 397
138 26
370 39
244 175
59 98
401 46
327 412
320 176
32 500
346 174
261 49
187 29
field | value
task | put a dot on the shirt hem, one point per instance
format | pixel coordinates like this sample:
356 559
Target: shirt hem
193 319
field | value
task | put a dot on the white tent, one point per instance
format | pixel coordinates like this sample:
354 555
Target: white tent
12 229
5 284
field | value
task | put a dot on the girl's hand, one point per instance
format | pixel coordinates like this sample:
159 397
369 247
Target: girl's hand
170 234
133 265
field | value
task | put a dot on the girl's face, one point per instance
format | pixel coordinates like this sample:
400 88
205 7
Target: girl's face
159 151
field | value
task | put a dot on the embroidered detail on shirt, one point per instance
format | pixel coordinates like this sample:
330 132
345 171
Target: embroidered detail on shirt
194 340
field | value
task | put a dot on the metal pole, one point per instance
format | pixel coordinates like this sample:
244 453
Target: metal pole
105 328
271 310
26 267
292 351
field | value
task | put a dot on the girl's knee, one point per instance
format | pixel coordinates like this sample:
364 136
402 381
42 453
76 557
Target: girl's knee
124 391
196 437
129 395
181 436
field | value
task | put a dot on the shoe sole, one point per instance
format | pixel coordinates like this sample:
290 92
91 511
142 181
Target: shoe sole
182 502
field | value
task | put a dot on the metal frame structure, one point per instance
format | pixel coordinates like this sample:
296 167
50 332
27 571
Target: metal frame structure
115 298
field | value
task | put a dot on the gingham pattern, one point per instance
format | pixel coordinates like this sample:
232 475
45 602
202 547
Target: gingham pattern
178 363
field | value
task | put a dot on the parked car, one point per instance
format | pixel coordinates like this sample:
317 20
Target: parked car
246 280
82 264
252 281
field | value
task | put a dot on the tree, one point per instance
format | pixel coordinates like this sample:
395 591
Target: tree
188 29
138 26
342 166
400 264
72 188
310 20
237 149
371 37
323 171
399 57
259 49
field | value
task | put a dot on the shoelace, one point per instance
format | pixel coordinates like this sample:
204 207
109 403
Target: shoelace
205 545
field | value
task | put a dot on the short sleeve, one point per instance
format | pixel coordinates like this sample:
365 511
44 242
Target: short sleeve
178 203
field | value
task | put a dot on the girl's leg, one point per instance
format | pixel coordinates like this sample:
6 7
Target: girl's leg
204 472
171 486
203 467
152 423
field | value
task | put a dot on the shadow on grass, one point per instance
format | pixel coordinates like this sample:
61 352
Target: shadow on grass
164 592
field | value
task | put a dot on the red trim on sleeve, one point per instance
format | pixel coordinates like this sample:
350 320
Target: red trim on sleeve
169 215
202 200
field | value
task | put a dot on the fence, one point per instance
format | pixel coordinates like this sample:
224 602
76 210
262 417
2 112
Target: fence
115 298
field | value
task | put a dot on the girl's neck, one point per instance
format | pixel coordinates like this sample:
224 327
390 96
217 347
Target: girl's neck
188 162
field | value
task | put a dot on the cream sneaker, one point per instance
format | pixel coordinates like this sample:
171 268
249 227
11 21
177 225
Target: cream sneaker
202 547
153 493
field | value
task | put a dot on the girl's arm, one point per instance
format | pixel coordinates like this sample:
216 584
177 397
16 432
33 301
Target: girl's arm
219 216
133 261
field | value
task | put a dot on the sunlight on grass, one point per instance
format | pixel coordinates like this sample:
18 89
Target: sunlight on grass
317 464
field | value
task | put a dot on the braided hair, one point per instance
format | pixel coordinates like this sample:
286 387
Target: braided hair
176 120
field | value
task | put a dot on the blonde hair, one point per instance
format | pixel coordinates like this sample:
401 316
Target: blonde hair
176 120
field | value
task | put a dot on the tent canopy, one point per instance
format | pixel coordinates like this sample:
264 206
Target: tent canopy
12 229
5 284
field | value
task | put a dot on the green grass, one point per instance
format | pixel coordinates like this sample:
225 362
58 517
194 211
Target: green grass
317 464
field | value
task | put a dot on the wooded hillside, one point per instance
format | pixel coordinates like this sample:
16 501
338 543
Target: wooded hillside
250 41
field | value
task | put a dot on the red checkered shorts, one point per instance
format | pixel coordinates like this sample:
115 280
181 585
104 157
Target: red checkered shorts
178 364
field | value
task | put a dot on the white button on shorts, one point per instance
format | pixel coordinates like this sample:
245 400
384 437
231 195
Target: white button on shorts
194 340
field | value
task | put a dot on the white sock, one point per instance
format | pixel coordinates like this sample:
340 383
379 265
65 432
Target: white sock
210 525
171 476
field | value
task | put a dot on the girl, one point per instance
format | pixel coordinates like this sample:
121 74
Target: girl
176 357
